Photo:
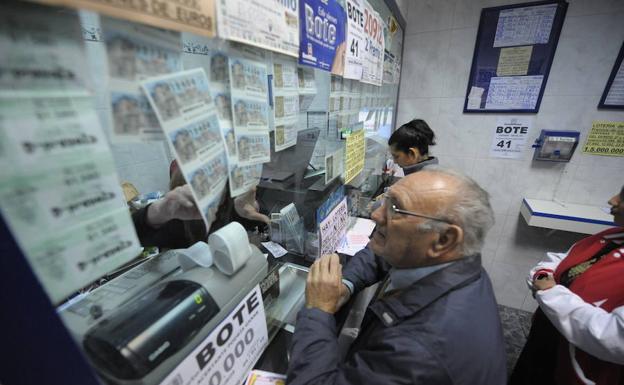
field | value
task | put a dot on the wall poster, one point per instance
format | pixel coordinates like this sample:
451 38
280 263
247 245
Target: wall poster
322 28
613 95
372 70
512 56
270 25
605 138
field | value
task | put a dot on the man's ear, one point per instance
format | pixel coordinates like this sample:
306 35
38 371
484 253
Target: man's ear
413 153
449 239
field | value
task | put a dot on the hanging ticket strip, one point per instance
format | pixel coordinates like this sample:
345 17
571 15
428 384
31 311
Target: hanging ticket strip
200 52
250 107
188 116
59 190
285 102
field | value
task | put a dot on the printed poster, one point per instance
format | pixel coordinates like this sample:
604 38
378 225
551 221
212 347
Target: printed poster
271 25
356 39
355 150
134 53
333 228
250 109
190 16
510 137
188 116
285 102
59 191
322 28
513 92
372 70
227 361
605 138
525 25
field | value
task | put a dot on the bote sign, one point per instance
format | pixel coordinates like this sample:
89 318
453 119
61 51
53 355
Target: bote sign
229 352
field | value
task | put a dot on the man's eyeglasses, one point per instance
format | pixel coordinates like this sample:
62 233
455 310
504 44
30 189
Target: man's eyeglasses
392 210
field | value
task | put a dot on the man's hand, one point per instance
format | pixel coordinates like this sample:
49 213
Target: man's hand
247 207
544 283
324 288
176 204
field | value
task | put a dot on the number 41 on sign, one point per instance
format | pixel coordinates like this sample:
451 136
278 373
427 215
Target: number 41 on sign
510 138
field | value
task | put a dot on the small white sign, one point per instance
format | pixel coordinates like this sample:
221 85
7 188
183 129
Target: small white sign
510 137
230 351
275 248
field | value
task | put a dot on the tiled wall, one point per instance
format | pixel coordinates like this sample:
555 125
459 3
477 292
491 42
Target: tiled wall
439 44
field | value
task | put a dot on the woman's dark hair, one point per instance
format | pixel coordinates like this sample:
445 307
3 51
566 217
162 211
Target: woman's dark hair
413 134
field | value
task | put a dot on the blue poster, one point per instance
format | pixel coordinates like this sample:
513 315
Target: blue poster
322 34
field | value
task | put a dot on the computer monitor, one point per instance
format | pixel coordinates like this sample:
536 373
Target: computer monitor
293 161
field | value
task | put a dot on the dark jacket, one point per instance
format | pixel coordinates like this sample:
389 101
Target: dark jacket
419 166
444 329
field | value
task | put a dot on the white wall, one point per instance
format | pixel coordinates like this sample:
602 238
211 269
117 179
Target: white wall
439 44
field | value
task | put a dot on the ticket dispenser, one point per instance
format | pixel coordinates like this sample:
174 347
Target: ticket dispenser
137 328
556 146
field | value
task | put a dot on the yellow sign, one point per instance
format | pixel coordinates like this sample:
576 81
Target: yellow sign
354 159
195 16
514 61
605 138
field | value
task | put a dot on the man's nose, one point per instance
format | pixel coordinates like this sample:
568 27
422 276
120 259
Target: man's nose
379 215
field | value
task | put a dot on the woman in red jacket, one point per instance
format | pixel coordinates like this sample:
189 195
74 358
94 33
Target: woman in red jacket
577 336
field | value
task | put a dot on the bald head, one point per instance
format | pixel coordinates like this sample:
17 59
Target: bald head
459 217
427 190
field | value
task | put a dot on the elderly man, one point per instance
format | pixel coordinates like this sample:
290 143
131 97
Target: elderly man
435 321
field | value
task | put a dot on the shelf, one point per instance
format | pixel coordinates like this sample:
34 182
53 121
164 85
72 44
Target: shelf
565 216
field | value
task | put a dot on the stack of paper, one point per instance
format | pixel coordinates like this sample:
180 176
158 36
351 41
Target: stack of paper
356 237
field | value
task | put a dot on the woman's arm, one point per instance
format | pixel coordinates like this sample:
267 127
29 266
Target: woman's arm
585 325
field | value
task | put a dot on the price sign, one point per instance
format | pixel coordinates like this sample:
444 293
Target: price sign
372 70
356 39
510 138
605 138
230 351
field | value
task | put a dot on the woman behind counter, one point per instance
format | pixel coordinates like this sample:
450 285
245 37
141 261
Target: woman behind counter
175 222
577 335
409 146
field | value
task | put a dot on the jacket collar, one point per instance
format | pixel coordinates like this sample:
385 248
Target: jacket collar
419 166
394 308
